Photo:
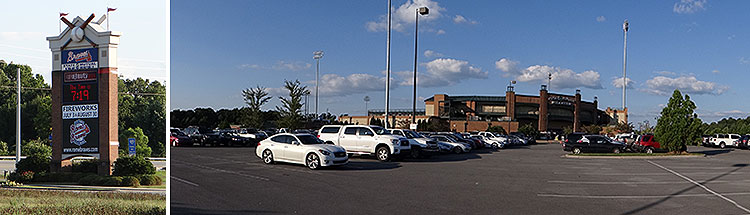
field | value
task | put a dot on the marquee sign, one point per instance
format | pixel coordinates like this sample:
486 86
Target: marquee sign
80 59
80 99
561 100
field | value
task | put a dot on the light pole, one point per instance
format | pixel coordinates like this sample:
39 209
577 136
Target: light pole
549 81
510 87
388 67
624 62
18 115
420 11
367 100
317 55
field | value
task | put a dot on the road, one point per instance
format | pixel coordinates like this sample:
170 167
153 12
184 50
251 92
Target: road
10 165
525 180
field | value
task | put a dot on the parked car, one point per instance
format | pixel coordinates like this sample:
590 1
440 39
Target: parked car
420 146
212 138
233 138
724 140
489 143
706 140
362 139
492 137
450 144
594 143
460 138
743 142
197 134
572 138
180 138
646 143
300 149
628 138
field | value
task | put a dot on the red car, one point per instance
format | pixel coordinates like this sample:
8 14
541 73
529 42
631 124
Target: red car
647 144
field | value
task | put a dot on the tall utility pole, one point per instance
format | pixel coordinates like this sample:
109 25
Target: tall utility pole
388 67
317 55
18 115
624 62
549 82
422 11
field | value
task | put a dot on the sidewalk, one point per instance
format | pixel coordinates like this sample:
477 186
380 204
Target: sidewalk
60 187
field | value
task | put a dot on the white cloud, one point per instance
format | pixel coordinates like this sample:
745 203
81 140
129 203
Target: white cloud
665 73
249 66
715 71
458 19
617 82
291 66
439 32
711 116
744 60
443 72
601 18
662 85
404 15
689 6
335 85
430 53
561 78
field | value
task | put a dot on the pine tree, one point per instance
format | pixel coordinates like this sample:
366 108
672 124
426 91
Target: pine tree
678 125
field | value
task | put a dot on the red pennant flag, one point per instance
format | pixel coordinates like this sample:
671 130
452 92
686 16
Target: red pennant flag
111 9
63 14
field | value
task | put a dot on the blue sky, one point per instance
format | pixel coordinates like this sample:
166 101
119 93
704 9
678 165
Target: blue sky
143 44
699 47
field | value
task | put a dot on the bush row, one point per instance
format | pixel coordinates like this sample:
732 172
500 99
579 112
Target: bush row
86 179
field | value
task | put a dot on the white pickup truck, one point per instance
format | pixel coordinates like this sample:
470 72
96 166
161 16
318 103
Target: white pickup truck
362 139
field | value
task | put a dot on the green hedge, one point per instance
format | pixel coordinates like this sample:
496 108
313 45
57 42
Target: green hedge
132 166
147 180
33 163
86 166
87 179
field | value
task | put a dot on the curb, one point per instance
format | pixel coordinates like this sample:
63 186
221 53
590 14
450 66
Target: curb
84 188
634 157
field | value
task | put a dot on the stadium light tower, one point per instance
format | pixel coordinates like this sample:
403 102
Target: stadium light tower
624 62
317 55
420 11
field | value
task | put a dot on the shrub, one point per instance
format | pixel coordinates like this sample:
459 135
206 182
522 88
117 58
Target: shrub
131 166
22 177
113 181
149 180
86 166
130 181
38 147
100 181
4 148
141 147
88 180
33 163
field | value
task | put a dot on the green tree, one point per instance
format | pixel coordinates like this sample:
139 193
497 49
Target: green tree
496 129
255 98
678 125
142 104
529 130
567 130
141 141
35 104
591 129
38 147
624 127
291 107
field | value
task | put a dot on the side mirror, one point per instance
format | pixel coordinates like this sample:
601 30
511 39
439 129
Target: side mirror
294 142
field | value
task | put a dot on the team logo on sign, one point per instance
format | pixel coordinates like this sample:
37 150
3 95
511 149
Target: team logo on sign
83 56
78 132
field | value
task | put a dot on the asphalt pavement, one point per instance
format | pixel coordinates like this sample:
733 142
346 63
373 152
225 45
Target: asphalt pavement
534 179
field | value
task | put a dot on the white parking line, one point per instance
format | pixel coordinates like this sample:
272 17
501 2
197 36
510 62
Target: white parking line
222 170
702 186
184 181
635 197
640 182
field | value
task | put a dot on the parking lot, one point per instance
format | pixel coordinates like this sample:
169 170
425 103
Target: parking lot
532 179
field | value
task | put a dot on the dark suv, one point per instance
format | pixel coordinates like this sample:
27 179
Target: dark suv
743 142
594 143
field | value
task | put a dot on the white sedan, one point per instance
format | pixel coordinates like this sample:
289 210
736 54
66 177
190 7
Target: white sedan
448 144
300 149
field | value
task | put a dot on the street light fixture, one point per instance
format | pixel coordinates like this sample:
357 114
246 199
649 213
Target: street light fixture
420 11
317 55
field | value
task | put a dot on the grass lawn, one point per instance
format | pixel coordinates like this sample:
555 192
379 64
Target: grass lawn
163 175
14 201
635 154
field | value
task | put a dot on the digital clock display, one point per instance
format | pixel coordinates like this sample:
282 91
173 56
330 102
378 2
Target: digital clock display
80 92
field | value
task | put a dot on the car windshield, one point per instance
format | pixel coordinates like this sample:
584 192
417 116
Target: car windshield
411 134
309 140
451 138
379 130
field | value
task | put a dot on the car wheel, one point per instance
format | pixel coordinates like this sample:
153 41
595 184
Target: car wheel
649 150
312 161
616 150
383 154
414 153
494 146
722 145
577 151
267 156
456 150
